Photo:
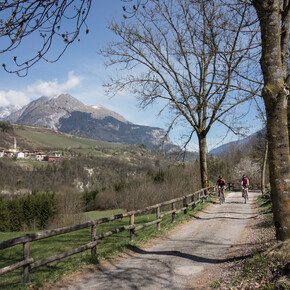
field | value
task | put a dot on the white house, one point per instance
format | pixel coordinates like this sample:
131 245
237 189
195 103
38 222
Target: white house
20 155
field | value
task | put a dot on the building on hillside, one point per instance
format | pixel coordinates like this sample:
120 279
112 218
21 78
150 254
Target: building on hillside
52 158
56 154
40 156
26 154
9 153
2 152
20 155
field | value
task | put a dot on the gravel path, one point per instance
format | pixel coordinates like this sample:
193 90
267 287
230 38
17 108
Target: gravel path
174 262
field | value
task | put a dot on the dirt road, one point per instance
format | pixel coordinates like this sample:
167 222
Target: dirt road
174 262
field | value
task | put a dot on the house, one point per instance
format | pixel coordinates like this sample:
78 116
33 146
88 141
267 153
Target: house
56 154
9 153
26 154
51 158
2 152
40 156
20 155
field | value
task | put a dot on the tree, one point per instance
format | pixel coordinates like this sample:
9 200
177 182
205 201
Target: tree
264 147
49 19
191 55
274 18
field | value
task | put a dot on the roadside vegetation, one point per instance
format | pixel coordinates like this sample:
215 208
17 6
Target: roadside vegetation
267 262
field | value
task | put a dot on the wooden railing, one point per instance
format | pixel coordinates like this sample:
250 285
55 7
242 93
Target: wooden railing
28 262
237 186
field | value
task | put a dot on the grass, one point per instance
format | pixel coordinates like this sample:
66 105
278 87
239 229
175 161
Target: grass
46 138
98 214
107 247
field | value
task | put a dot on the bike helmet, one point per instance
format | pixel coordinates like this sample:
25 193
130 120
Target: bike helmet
244 175
220 176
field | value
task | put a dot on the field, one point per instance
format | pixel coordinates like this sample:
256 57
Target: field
52 246
46 138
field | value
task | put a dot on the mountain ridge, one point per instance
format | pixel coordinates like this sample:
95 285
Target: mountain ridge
66 114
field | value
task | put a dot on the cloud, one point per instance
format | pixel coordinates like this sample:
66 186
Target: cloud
51 88
12 97
39 89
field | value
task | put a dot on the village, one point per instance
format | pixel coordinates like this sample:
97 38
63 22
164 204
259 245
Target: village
37 155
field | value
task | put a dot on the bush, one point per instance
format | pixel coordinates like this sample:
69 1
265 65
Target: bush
70 208
89 199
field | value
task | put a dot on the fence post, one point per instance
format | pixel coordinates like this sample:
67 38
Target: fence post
202 196
132 231
26 268
184 205
173 214
93 238
158 217
192 200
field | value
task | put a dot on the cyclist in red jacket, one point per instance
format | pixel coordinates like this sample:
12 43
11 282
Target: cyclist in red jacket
245 185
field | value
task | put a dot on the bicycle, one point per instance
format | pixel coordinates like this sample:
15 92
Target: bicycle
221 194
244 194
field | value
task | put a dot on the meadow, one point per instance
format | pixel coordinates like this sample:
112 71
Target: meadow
106 248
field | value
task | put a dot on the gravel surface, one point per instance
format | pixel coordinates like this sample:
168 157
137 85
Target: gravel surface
190 257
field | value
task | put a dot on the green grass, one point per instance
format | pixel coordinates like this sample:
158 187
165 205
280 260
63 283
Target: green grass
98 214
46 138
52 246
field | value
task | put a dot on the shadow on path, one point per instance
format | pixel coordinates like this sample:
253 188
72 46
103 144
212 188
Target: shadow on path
187 256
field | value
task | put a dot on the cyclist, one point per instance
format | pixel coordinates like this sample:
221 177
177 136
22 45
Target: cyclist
221 184
245 185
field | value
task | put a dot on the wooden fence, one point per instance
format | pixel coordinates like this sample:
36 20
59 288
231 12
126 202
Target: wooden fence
237 186
28 262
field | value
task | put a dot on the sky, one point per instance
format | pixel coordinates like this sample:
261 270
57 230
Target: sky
81 72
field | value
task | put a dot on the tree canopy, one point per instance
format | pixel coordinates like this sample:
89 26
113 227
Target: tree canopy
57 24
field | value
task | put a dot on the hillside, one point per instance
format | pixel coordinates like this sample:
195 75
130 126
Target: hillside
86 163
244 144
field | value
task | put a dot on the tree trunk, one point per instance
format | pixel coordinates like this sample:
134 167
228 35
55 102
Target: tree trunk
203 160
279 164
274 23
263 173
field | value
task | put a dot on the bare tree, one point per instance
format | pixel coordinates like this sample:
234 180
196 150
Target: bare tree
193 56
50 20
274 17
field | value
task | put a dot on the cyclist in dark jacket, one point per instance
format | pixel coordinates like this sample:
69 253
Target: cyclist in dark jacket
221 183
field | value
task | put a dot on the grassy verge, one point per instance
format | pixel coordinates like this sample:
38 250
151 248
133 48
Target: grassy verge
269 267
268 264
107 247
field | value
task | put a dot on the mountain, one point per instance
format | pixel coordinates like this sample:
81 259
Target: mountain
66 114
6 111
242 145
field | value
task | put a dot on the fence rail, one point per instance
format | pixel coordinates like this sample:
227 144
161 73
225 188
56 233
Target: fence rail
237 186
28 262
